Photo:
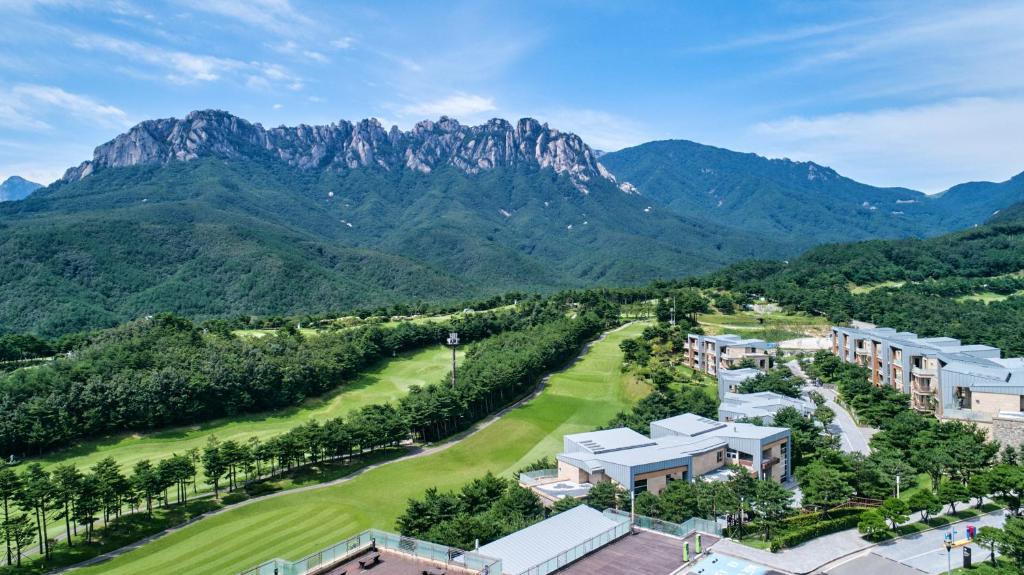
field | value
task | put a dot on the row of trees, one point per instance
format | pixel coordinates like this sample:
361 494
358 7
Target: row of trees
165 371
495 371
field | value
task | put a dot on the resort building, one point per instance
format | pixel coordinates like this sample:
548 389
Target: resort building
762 405
943 376
730 380
680 448
714 353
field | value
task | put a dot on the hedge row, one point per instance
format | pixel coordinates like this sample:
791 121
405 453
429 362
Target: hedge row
806 533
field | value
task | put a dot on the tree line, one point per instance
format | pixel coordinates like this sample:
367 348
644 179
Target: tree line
165 370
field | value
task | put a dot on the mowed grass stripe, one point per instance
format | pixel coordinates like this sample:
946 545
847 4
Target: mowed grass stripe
387 381
585 396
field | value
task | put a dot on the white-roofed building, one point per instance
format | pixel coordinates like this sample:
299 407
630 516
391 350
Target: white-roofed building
713 353
546 546
680 448
762 405
943 376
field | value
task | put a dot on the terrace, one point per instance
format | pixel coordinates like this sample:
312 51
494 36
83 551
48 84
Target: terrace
383 553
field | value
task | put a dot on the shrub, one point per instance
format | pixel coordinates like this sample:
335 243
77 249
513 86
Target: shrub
232 498
806 533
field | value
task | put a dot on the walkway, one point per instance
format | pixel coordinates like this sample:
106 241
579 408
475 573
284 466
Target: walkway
920 551
853 439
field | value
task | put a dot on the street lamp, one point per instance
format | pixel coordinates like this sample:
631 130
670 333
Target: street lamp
453 342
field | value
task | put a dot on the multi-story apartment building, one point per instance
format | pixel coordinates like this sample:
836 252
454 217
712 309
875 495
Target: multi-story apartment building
712 353
943 376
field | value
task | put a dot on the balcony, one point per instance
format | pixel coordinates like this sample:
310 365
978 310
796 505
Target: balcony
922 371
862 351
922 388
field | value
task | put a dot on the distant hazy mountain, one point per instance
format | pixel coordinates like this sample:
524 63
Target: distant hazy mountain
802 201
212 215
16 188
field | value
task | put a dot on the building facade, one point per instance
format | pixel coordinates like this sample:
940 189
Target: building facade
943 376
680 448
714 353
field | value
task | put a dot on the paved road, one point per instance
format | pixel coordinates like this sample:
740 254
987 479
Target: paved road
852 438
925 551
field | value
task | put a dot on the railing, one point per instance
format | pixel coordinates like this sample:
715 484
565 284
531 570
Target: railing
566 557
532 478
383 540
675 529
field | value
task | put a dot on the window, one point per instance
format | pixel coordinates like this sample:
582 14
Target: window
766 453
718 456
731 454
639 486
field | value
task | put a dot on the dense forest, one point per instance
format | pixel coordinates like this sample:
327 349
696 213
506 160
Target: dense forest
924 286
165 370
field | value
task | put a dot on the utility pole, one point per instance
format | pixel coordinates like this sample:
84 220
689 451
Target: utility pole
453 342
673 322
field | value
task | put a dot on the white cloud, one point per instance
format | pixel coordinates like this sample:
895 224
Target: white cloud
277 16
460 106
187 68
25 105
930 147
343 43
316 99
600 130
315 56
278 106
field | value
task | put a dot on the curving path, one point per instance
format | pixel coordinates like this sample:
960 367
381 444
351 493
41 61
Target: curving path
583 394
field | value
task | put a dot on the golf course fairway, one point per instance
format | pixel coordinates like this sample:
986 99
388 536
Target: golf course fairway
582 397
386 381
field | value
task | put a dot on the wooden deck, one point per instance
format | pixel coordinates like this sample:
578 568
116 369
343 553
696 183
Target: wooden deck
645 553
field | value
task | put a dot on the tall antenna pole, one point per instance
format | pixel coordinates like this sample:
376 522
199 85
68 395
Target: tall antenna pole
453 342
673 310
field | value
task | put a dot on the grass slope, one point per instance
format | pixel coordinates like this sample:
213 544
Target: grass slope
578 399
386 382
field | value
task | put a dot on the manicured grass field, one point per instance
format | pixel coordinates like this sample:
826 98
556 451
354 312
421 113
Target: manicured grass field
773 326
386 382
583 397
988 297
857 289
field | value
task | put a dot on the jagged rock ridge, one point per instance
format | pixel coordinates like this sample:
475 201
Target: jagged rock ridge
345 146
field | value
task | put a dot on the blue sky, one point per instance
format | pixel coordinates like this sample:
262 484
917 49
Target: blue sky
915 94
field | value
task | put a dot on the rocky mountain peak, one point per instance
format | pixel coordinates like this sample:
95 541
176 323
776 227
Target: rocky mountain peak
345 145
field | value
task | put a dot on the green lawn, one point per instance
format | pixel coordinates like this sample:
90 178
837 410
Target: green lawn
386 382
583 397
859 289
772 326
988 297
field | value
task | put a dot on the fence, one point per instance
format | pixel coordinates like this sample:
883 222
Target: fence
676 529
570 555
532 478
383 540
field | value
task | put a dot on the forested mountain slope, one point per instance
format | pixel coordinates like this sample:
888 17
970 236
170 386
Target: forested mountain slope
967 284
211 216
803 201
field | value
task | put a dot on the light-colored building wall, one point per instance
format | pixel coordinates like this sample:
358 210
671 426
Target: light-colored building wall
709 461
572 473
993 403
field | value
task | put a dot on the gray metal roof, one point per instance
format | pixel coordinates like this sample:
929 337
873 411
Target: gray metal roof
609 440
688 424
547 539
762 404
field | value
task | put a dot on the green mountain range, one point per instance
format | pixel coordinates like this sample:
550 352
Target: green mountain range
801 201
211 215
16 188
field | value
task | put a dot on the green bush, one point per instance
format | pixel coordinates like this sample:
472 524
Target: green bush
260 488
232 498
804 533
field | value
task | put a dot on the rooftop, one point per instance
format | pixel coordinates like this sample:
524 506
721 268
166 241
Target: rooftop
645 553
609 440
553 537
689 424
762 404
